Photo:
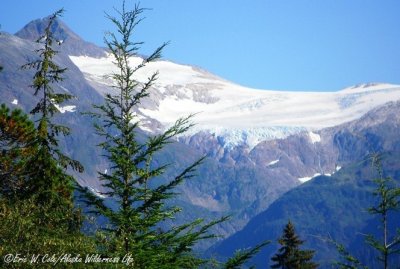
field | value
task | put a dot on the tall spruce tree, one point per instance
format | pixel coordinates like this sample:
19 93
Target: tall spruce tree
290 256
49 181
135 225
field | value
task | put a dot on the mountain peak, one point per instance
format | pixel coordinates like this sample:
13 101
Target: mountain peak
34 29
73 44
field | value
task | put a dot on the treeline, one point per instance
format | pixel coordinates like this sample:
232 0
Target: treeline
40 225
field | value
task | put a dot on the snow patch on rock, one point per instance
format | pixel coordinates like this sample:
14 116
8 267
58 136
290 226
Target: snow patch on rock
273 162
97 193
305 179
64 109
315 138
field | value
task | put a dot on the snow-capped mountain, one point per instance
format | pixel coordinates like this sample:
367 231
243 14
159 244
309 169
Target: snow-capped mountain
235 113
247 167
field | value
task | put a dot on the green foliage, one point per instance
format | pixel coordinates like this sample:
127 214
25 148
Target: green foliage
30 229
348 260
37 215
132 181
47 73
49 176
290 255
243 256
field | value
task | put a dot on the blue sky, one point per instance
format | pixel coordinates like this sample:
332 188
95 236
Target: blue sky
313 45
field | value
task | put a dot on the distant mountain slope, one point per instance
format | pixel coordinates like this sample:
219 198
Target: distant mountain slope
332 206
322 209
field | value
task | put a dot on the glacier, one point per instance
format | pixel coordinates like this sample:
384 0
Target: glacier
234 113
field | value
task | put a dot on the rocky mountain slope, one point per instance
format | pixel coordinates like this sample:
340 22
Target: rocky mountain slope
333 206
260 144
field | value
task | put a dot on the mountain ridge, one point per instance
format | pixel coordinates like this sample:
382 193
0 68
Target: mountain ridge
238 178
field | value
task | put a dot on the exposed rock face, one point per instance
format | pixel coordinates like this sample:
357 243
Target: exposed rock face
331 206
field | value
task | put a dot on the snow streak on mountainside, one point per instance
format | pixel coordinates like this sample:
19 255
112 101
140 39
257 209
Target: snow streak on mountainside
235 113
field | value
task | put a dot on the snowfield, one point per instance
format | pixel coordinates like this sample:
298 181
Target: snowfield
236 113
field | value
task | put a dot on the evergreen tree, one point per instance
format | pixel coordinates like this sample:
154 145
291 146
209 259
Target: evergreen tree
49 180
388 201
134 227
290 256
16 135
29 228
37 215
388 195
26 226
